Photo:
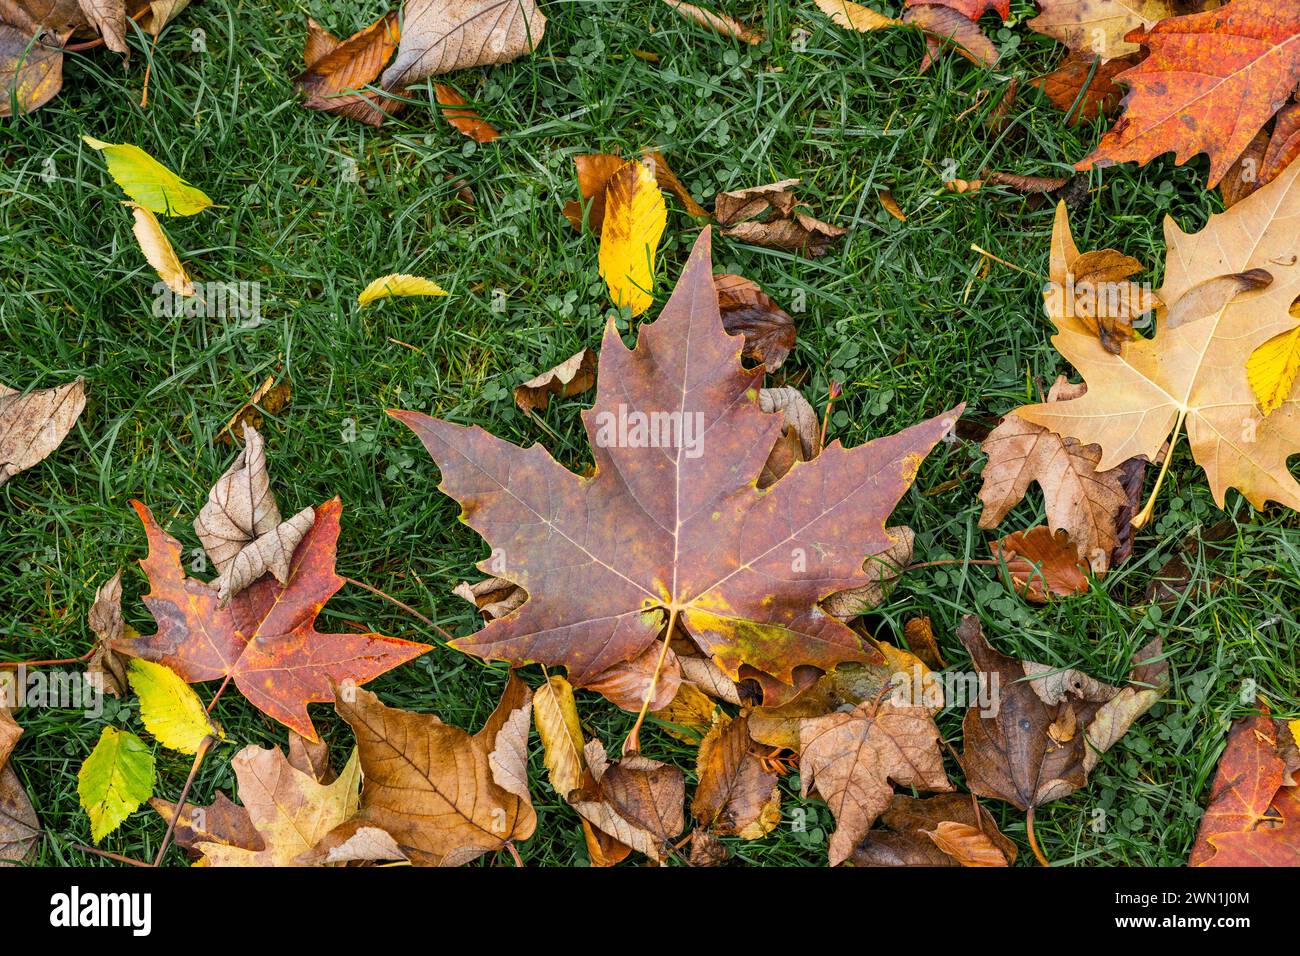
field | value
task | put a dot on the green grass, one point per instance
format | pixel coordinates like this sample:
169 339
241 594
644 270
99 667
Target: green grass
901 312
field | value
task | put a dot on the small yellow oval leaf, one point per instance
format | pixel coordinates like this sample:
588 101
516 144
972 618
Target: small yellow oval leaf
1272 369
158 250
398 284
170 709
635 215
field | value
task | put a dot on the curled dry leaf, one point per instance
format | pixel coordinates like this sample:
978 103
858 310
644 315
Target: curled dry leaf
439 36
1042 563
800 432
708 677
463 118
265 640
717 22
593 604
748 310
311 757
442 796
942 24
627 683
223 822
105 620
269 397
784 226
289 810
966 844
668 181
851 758
1083 92
1209 84
339 70
854 16
494 597
1009 749
919 633
1254 814
882 570
638 801
573 376
904 838
35 423
240 525
1079 499
890 204
734 795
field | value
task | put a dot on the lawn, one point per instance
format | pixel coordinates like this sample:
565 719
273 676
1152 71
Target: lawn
903 313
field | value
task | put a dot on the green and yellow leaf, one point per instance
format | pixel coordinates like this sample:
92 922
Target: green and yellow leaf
149 182
170 709
114 780
398 284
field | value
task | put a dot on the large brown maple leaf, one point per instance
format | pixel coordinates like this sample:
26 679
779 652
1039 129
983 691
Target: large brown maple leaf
265 640
672 526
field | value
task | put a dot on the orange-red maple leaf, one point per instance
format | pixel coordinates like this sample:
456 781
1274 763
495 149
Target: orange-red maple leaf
1210 84
265 640
673 526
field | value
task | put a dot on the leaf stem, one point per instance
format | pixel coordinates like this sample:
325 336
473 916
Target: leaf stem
633 742
185 792
1144 515
447 635
1033 840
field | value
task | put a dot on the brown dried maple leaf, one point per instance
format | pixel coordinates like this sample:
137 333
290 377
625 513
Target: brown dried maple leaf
672 528
265 640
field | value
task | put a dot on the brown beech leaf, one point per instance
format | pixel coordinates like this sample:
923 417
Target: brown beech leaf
903 839
768 329
289 809
444 797
573 376
719 23
105 620
851 758
671 528
265 640
223 822
1079 499
462 117
19 827
240 525
1009 750
439 36
1254 814
734 795
32 425
783 225
1085 95
1209 84
1264 159
31 68
1042 563
637 801
966 844
339 70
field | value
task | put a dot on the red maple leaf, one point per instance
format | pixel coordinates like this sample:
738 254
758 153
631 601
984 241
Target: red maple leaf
265 640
